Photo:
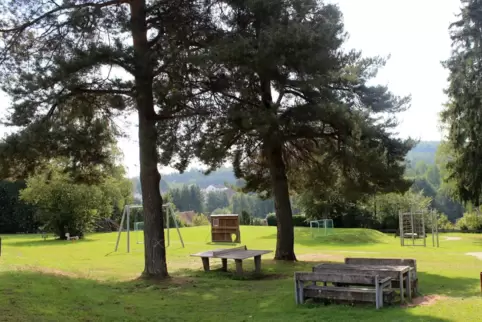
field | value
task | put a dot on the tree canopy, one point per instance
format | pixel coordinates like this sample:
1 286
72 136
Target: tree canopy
289 97
462 114
70 67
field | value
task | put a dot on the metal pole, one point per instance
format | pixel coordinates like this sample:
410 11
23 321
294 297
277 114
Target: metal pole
411 220
167 225
177 227
128 229
423 230
120 229
436 227
400 227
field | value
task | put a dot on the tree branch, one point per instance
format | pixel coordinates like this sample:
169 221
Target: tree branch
61 8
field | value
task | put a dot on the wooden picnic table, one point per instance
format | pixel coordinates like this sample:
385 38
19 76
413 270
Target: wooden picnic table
238 254
396 272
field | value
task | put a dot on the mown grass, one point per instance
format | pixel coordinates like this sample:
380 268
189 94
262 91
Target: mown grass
85 281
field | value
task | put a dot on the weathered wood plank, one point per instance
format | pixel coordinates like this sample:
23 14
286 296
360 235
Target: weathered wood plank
335 277
383 274
244 254
346 294
220 252
205 263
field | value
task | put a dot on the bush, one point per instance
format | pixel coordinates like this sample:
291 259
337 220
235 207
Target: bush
257 222
271 219
245 218
470 221
200 220
298 220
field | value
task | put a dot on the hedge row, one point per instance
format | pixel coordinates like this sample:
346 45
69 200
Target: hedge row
298 221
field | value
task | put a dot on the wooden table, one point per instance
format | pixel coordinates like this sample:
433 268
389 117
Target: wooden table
396 272
238 254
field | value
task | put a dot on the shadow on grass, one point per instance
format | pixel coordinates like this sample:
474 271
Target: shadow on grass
48 242
29 296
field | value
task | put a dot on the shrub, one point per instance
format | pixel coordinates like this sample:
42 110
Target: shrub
298 220
271 219
257 222
470 221
245 218
200 220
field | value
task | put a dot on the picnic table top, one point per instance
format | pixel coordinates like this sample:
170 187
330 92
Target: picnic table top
232 253
355 267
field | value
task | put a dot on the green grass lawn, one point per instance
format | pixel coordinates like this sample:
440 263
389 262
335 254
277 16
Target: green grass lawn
85 281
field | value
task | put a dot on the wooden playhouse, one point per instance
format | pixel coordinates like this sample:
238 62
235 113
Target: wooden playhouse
225 228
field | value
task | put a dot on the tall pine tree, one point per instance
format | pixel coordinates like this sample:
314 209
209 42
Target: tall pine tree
71 66
284 87
463 113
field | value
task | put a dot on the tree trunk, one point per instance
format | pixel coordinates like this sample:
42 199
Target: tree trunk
154 243
286 237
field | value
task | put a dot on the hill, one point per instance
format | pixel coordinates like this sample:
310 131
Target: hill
424 151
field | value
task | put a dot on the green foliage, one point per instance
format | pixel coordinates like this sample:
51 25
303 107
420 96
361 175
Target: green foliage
257 221
15 215
470 221
221 211
444 223
462 113
245 218
216 200
271 219
187 198
298 220
200 220
64 205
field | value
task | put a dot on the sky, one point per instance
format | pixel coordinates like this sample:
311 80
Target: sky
415 35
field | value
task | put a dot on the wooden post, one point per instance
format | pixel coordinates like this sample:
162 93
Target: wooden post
1 253
205 263
257 264
480 272
239 266
225 264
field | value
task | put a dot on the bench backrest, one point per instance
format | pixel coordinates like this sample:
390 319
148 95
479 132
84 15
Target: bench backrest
384 261
336 278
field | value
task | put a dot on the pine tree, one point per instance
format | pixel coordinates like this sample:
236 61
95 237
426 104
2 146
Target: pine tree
63 64
462 114
284 87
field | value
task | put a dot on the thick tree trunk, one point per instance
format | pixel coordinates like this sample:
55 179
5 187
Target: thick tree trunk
284 216
154 243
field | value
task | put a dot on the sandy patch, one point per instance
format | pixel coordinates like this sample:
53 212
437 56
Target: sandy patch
425 300
453 238
478 255
319 257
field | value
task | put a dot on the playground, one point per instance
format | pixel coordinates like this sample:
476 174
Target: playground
85 280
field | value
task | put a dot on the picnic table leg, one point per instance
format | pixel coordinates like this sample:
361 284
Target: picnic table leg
225 264
402 297
409 285
239 266
205 263
257 264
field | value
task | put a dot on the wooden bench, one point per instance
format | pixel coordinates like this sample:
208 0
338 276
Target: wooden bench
379 294
238 254
390 261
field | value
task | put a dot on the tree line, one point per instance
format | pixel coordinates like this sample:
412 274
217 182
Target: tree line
190 197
